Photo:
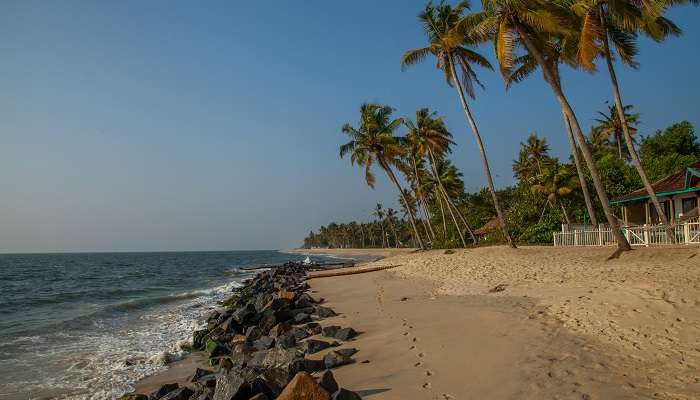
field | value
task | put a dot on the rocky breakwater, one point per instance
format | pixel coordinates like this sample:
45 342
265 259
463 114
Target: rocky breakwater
258 345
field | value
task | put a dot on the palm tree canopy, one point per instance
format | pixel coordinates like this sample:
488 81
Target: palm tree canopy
449 44
428 134
373 140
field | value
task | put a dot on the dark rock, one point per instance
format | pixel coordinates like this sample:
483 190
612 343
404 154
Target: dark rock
299 333
327 381
280 329
182 393
283 315
253 333
302 318
305 300
260 396
345 334
303 386
163 390
498 288
268 320
207 380
199 339
313 328
134 396
203 393
325 312
225 363
330 331
286 341
272 359
264 343
404 298
199 372
347 352
344 394
231 385
335 359
230 325
260 385
277 304
306 365
311 346
244 313
215 349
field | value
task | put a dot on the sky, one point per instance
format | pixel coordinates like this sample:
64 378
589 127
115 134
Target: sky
175 125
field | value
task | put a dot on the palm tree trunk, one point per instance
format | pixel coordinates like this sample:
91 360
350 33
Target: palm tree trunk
566 215
622 243
482 153
579 170
625 129
442 212
442 190
464 221
389 172
421 201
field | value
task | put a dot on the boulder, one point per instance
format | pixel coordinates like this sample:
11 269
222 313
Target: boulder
305 300
273 359
299 333
311 346
229 325
287 295
345 334
344 394
199 372
335 359
325 312
260 385
215 349
244 314
303 386
313 328
280 329
283 315
302 318
199 339
264 343
277 304
231 385
347 352
286 341
253 333
327 381
207 380
162 391
182 393
268 320
134 396
330 331
260 396
306 365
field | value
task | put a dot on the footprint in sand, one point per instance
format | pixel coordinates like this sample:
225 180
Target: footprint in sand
447 396
420 355
412 347
429 372
418 364
427 385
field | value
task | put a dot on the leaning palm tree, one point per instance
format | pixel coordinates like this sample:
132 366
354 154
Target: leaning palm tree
612 129
374 141
531 23
390 218
379 215
555 182
618 21
415 155
450 46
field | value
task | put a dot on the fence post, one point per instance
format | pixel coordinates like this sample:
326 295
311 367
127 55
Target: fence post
575 237
646 235
600 236
686 233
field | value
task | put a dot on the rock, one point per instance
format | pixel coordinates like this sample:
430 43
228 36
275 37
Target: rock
273 359
162 391
230 325
203 393
237 339
208 380
313 328
283 315
330 331
287 295
245 313
260 396
199 372
277 304
183 345
344 394
264 343
345 334
134 396
215 349
449 251
302 318
231 385
311 346
280 329
404 298
325 312
299 333
225 363
182 393
347 352
305 300
498 288
335 359
306 365
303 386
253 333
260 385
268 320
327 381
286 341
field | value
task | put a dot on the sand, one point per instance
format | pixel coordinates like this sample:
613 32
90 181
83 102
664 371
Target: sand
375 253
568 324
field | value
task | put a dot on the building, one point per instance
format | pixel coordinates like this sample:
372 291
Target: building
679 195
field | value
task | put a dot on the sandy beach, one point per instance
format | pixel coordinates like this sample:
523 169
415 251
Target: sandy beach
536 322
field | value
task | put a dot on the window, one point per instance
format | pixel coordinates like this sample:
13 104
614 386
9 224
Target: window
689 205
664 206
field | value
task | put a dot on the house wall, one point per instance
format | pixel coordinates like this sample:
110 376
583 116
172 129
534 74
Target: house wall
642 213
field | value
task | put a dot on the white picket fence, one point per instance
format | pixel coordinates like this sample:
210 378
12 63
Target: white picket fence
643 235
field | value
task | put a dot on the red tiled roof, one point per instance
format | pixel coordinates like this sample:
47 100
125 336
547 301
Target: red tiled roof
671 183
491 225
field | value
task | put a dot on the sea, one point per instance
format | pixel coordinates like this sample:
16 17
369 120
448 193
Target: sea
90 325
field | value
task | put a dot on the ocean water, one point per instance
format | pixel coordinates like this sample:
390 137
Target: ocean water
88 326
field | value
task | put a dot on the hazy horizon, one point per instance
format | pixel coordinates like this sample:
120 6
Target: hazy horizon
174 126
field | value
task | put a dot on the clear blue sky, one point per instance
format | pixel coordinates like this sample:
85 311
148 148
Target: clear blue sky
173 125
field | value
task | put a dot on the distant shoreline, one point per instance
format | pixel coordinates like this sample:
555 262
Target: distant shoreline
374 253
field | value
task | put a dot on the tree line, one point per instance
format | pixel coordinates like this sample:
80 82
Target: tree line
527 35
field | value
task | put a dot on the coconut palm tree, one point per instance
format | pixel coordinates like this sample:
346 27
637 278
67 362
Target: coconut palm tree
610 128
390 218
617 22
530 23
415 156
374 141
555 182
449 179
379 220
448 44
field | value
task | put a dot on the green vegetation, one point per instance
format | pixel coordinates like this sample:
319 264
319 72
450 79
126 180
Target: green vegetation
527 35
